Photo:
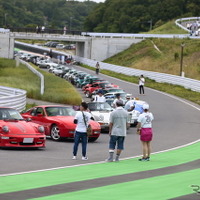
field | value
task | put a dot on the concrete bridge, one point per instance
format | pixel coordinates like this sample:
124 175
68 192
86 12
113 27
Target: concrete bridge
95 46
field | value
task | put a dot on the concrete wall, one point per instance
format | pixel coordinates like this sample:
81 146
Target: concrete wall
6 45
103 48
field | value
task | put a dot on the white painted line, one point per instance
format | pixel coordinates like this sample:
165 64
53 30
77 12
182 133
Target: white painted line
100 162
174 148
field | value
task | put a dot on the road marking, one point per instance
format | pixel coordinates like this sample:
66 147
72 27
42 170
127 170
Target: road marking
174 148
99 162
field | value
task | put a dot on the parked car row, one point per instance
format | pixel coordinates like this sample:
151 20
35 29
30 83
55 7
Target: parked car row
91 85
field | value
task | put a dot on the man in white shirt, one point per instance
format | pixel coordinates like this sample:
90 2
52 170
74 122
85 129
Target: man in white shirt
99 97
141 84
118 98
129 105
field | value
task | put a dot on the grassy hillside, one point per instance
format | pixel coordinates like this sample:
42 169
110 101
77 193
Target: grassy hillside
168 28
162 55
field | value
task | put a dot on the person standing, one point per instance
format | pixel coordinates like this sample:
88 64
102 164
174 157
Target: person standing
117 98
43 29
81 130
144 128
141 84
117 131
64 30
129 105
99 97
97 68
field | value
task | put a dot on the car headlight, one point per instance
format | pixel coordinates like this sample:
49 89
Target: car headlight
5 129
41 129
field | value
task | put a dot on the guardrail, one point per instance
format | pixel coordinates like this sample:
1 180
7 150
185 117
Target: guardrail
159 77
37 73
178 22
12 98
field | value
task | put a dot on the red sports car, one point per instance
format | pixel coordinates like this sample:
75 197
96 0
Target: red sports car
58 121
17 132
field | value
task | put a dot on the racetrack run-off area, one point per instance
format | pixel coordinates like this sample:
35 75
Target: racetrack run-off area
168 175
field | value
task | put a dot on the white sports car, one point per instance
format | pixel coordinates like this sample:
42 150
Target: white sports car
101 113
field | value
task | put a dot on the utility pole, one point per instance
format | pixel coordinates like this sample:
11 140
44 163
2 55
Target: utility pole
150 22
70 23
181 62
5 20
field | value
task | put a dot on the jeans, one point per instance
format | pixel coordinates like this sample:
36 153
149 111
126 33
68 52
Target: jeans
116 140
80 137
141 89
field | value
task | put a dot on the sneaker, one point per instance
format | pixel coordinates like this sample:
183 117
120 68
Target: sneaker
147 158
109 160
142 159
84 158
74 158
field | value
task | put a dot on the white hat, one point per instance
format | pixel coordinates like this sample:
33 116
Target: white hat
145 107
128 95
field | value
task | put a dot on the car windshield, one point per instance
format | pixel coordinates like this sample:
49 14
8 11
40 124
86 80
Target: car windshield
99 106
103 85
61 111
115 90
8 113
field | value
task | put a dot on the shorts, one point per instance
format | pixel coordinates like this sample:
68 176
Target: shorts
116 140
146 134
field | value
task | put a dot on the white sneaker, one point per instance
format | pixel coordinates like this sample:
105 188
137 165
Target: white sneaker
74 158
84 158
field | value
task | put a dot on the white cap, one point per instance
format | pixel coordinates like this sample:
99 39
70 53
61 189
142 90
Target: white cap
128 95
145 106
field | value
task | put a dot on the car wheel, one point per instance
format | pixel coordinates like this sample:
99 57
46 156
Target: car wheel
55 133
93 139
87 94
48 66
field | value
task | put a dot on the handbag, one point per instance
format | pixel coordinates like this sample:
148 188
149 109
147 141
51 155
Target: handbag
88 128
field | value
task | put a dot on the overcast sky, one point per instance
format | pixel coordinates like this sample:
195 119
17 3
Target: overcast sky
98 1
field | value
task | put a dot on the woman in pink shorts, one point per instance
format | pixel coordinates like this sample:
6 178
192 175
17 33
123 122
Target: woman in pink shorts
144 128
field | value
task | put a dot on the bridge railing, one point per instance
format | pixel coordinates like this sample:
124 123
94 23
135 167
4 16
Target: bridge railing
12 98
158 77
178 22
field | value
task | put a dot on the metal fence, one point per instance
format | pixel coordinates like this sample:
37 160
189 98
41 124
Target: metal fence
159 77
37 73
12 98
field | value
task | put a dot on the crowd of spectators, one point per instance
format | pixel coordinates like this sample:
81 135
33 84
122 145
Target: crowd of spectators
194 28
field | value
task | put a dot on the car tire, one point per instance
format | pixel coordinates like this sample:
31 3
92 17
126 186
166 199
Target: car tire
92 139
55 133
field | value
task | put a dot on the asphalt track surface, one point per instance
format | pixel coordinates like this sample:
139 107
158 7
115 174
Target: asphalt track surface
176 123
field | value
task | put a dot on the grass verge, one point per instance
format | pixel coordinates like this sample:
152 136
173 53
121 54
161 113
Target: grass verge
56 89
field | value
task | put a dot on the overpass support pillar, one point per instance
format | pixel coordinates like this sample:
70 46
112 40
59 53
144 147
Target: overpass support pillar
6 45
